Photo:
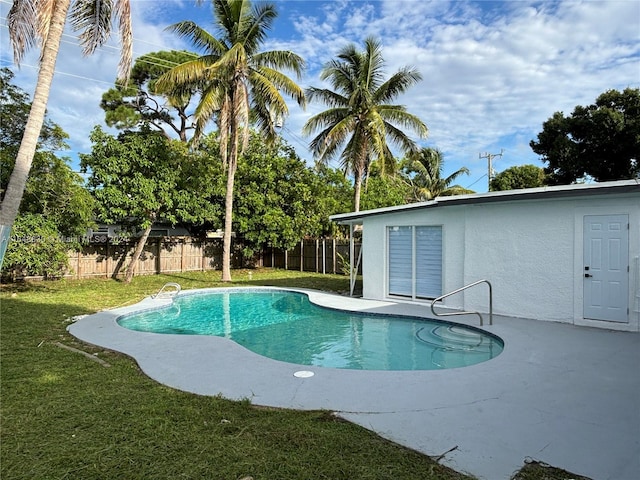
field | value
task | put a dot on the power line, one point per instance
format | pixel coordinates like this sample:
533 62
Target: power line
59 72
74 41
469 186
295 137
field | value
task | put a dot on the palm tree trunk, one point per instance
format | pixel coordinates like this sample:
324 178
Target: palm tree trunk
128 276
356 194
228 204
228 222
18 180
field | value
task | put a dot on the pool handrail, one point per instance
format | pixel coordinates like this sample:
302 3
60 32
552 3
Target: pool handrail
170 294
466 312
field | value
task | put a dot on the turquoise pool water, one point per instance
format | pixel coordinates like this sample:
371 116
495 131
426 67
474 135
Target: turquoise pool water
286 326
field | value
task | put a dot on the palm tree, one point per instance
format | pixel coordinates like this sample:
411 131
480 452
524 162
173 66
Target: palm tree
424 169
360 118
41 22
240 86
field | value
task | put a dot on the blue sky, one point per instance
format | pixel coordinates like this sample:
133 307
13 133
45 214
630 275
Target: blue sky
493 72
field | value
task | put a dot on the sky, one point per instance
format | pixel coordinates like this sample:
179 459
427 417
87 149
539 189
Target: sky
492 71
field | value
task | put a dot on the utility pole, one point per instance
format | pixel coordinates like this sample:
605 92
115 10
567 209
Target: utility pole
490 157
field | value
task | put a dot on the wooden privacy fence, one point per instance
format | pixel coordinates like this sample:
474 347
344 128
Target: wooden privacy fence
185 254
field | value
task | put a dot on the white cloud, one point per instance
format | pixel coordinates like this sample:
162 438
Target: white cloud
493 72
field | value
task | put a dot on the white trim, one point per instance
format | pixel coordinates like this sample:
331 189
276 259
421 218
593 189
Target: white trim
540 193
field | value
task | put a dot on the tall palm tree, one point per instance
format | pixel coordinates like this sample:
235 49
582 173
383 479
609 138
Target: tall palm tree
41 22
241 86
424 169
360 118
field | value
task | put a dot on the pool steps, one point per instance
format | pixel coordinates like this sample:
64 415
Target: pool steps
169 293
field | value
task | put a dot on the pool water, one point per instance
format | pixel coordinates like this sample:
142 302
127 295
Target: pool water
286 326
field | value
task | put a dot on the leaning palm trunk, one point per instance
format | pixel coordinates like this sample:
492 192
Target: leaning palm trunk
18 180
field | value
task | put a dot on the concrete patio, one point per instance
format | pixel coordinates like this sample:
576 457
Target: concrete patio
565 395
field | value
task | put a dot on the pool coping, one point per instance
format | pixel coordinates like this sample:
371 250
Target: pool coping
543 397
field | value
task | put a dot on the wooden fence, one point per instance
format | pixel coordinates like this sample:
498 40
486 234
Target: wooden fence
163 255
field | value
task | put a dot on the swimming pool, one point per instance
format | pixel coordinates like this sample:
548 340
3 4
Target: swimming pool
285 325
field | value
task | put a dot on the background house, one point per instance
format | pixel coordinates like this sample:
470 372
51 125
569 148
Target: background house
568 254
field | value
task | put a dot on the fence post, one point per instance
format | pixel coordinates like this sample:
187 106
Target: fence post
333 252
109 265
183 253
324 255
302 255
158 259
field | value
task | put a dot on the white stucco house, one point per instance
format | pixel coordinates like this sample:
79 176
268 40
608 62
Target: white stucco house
566 254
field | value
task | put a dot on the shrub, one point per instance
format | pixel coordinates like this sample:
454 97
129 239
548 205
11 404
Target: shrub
35 248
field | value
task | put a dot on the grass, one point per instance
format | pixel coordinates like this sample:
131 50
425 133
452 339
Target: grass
65 417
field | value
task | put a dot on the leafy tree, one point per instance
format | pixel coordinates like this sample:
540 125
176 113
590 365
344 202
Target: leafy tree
134 104
141 177
601 141
424 171
52 188
36 248
335 195
14 113
54 196
240 85
522 176
33 22
385 191
276 197
360 118
58 193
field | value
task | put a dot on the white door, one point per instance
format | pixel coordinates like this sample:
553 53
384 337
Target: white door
606 267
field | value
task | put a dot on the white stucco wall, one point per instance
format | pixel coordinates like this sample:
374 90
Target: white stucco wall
530 250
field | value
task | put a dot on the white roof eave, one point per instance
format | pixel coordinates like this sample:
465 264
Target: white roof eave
620 186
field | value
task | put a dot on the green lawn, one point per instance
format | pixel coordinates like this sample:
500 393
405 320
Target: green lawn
64 416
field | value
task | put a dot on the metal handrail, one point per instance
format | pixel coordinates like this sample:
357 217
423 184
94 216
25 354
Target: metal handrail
466 313
171 294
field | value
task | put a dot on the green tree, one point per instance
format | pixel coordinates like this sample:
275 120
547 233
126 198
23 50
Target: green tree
58 193
360 119
424 171
52 188
54 202
136 103
521 176
335 194
276 197
33 22
385 191
14 113
141 177
240 86
601 141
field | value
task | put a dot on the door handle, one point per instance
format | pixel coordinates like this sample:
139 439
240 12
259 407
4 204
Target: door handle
587 275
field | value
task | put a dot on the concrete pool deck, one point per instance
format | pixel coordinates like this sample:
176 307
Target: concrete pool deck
564 395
